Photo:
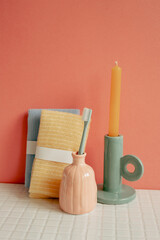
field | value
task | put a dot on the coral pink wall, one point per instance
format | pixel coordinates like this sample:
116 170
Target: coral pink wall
59 54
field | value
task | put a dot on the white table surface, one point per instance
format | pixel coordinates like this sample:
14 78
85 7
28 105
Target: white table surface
32 219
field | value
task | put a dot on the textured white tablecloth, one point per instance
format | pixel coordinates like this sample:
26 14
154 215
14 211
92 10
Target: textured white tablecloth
32 219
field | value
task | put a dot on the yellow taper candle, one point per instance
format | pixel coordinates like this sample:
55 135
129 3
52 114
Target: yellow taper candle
115 101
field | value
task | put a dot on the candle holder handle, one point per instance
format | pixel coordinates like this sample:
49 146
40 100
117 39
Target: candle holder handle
112 191
138 165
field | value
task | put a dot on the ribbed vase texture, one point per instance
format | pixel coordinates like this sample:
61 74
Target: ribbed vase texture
78 189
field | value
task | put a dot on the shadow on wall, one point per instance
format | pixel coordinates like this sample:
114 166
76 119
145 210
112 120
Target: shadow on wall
16 169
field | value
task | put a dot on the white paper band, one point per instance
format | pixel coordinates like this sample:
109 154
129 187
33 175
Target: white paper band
31 147
55 155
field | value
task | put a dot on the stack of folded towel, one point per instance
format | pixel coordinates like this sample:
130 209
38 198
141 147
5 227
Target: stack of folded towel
59 134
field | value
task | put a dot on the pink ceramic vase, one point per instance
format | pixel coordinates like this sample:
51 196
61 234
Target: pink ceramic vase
78 190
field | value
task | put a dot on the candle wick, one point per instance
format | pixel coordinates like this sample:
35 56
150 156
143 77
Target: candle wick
116 63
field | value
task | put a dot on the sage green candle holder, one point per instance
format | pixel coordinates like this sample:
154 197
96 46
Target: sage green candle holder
112 191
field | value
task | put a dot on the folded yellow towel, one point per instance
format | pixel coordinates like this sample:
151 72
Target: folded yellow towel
58 130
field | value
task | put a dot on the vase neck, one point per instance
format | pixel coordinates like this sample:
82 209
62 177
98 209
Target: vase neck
78 159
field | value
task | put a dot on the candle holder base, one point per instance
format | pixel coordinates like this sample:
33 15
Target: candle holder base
125 195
